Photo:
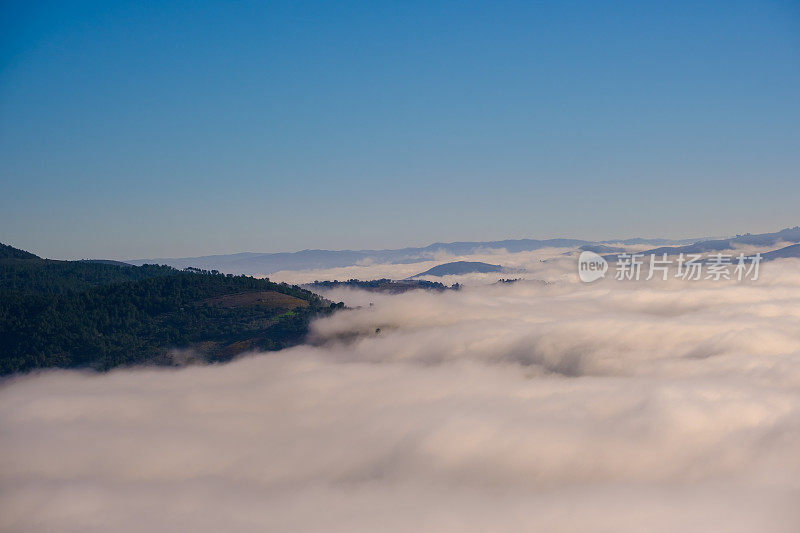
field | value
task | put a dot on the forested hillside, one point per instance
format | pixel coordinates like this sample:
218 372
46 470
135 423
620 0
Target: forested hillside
100 315
384 285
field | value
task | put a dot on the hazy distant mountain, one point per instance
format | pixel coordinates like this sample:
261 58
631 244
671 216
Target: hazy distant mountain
769 239
792 251
601 248
461 267
266 263
763 239
639 240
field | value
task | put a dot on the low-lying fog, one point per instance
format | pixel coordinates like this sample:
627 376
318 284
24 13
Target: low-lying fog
613 406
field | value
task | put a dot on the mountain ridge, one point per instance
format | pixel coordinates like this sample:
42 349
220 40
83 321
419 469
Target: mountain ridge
786 235
89 314
311 259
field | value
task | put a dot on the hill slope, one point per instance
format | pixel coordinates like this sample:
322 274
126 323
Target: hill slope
792 251
9 252
98 315
460 267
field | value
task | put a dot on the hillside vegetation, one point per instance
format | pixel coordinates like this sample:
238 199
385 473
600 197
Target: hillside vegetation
384 285
101 315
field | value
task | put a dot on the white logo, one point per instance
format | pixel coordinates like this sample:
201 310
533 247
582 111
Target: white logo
591 267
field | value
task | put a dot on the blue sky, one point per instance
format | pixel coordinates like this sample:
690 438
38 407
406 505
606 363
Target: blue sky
138 129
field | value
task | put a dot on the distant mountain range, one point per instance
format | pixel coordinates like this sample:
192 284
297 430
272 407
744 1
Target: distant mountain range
267 263
762 240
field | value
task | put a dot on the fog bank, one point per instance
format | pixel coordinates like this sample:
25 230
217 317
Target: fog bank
605 407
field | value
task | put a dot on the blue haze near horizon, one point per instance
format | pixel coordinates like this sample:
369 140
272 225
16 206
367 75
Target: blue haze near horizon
175 129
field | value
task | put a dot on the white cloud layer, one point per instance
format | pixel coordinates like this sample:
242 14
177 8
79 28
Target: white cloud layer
613 406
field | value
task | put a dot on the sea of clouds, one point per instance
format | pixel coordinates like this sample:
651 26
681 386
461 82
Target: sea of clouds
612 406
544 264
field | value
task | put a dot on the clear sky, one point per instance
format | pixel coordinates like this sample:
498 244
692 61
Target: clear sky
151 129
